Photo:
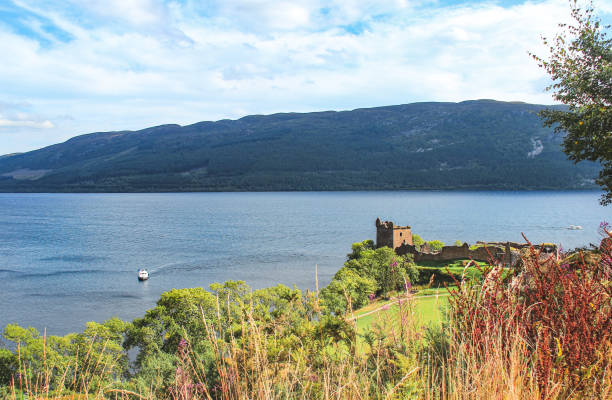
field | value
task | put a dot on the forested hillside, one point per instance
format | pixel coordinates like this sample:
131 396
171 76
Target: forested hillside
480 144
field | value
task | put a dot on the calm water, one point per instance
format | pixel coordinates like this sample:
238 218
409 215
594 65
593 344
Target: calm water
70 258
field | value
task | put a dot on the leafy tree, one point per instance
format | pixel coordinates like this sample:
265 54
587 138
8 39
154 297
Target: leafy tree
201 318
94 357
435 245
347 285
179 315
580 65
359 247
6 366
367 271
417 241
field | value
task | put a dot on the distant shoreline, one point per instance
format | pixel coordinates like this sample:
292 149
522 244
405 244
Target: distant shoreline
467 190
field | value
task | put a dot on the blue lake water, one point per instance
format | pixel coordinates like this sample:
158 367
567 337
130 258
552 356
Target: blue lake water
70 258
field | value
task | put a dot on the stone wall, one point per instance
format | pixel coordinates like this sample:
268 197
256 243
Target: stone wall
504 253
456 252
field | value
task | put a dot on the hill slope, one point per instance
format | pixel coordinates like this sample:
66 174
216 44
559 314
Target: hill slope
480 144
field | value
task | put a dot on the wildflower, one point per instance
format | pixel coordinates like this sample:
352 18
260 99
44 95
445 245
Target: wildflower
604 228
371 296
385 307
407 285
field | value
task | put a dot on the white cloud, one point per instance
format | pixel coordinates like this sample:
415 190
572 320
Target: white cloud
26 123
20 114
133 64
137 12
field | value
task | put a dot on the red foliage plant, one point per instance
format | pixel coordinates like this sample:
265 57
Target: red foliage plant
560 307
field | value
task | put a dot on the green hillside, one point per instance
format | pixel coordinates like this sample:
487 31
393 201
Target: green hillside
480 144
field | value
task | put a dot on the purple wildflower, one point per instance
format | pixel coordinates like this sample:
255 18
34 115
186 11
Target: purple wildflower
407 285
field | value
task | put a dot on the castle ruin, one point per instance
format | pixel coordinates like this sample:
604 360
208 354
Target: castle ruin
391 235
399 238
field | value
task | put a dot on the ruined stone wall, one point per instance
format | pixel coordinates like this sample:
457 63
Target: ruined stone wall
456 252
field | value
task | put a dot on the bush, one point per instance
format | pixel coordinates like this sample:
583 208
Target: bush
367 271
435 245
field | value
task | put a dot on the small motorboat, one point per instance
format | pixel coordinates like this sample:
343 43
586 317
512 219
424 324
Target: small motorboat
575 227
143 274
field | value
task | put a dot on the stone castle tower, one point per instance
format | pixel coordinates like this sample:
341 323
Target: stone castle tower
390 235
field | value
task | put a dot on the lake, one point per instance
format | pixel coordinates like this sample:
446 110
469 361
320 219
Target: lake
70 258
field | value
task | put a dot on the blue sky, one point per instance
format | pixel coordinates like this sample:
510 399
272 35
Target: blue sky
74 67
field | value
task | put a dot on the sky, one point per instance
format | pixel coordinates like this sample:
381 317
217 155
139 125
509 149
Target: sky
73 67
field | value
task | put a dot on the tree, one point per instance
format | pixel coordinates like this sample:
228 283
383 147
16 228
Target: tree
435 245
417 241
580 65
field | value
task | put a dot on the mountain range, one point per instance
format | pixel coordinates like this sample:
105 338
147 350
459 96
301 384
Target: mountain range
479 144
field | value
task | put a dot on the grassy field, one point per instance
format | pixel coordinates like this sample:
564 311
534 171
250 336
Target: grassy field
427 305
427 309
459 263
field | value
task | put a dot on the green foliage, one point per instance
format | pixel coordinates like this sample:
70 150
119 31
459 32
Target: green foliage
94 356
580 65
359 247
367 271
436 348
347 286
443 275
180 314
458 243
7 366
417 241
447 275
205 320
435 245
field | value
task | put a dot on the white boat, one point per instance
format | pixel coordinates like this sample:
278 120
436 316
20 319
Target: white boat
143 274
574 227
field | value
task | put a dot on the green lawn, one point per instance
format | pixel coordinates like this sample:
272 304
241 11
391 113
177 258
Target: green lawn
459 263
426 310
428 304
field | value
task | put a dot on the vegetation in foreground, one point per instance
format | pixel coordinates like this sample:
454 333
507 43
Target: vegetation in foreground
542 332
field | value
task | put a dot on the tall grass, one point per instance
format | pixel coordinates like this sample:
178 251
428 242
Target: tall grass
79 378
546 334
319 369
